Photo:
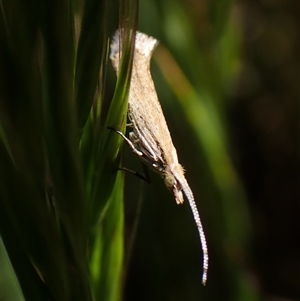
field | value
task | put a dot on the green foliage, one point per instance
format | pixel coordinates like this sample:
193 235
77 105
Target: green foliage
61 199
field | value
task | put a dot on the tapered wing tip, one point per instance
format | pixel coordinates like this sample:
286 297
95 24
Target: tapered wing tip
143 43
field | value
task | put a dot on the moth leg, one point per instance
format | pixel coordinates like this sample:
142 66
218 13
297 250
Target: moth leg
146 172
143 176
134 149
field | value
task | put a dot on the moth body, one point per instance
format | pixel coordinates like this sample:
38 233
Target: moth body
150 138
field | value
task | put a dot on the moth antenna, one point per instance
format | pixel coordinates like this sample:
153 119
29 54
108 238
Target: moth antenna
189 195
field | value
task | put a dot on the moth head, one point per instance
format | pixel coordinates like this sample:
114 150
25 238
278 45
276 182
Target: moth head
174 186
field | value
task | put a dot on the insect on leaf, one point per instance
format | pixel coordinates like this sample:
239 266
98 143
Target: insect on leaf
150 138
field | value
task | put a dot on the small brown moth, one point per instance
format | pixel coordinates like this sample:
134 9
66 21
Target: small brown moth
150 137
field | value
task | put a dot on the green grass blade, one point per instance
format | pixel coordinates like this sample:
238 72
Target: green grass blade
62 138
92 44
106 242
108 250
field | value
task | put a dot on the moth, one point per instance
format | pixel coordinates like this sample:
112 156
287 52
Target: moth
150 138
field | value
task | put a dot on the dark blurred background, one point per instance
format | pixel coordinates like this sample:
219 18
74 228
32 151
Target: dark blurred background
259 109
228 77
